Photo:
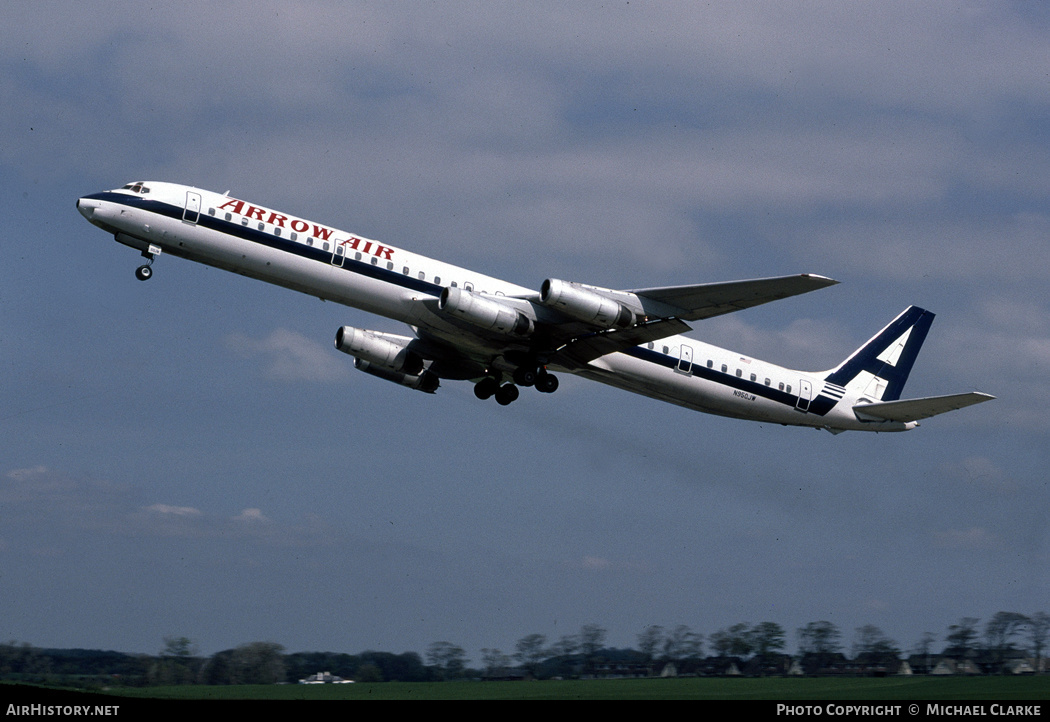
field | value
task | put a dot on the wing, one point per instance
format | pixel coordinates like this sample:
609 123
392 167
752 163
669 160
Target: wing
694 303
666 310
915 409
573 323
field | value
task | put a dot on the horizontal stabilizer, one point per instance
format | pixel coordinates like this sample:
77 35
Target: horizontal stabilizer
915 409
693 303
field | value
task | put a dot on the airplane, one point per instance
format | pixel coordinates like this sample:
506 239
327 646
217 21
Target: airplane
504 337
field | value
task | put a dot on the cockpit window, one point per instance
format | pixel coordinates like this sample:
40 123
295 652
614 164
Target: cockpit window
136 188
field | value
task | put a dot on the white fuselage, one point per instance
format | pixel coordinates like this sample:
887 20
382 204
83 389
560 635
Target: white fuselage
338 266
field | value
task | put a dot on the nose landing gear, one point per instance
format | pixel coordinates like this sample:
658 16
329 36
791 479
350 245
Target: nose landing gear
145 272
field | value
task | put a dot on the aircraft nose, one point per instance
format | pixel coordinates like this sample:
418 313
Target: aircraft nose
86 207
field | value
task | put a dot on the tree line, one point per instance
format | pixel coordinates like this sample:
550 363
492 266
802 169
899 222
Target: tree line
752 649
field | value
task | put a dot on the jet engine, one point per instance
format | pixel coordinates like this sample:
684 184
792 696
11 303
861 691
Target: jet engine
484 312
425 381
380 350
585 304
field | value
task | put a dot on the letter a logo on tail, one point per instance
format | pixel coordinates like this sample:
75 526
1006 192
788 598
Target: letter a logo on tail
879 368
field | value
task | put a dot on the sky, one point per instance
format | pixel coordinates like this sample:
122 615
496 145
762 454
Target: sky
191 456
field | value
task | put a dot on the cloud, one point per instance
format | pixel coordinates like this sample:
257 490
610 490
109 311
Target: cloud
972 538
38 492
251 516
807 344
593 563
907 245
290 356
49 504
26 474
982 472
165 509
601 564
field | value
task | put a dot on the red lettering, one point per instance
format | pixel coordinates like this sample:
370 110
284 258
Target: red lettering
300 226
256 213
321 232
233 204
381 251
277 219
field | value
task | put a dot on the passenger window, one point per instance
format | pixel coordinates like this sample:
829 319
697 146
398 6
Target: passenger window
244 221
724 368
357 256
453 284
739 373
294 235
422 276
666 349
781 386
390 265
229 217
710 364
405 270
754 377
437 280
309 240
211 211
375 261
262 226
789 388
277 231
325 246
767 382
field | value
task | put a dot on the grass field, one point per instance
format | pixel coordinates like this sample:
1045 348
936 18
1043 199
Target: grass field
885 689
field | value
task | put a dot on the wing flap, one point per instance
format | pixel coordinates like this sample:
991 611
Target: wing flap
700 301
587 348
915 409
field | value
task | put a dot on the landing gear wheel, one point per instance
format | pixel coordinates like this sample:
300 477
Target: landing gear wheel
524 376
143 273
547 383
485 388
507 394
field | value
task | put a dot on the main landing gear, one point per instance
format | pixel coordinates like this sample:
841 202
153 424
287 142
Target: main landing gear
507 393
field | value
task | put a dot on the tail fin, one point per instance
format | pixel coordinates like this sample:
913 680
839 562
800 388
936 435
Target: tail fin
879 368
